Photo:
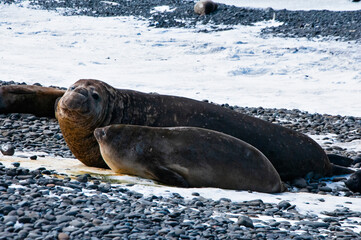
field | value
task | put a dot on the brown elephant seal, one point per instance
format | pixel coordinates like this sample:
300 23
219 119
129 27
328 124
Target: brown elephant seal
187 157
89 104
36 100
205 7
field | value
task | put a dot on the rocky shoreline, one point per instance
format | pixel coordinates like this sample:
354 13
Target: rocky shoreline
342 25
42 204
38 205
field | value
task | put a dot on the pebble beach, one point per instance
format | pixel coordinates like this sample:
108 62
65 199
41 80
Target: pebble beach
42 203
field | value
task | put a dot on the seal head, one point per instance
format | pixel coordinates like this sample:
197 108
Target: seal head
86 105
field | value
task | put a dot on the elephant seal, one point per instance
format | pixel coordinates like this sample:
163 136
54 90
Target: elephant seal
36 100
187 157
354 182
90 104
204 7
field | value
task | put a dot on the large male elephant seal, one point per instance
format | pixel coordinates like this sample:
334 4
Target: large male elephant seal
36 100
187 157
89 104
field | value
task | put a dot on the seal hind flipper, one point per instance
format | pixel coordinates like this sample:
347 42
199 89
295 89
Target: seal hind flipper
340 160
168 176
339 170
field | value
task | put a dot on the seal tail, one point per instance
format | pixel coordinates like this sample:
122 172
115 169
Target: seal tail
339 170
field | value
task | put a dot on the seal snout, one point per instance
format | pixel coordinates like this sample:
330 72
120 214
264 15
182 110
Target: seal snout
75 98
99 134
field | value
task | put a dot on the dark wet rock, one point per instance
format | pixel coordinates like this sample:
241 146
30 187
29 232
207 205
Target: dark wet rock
63 218
10 218
77 223
7 149
314 224
325 189
25 219
83 178
357 159
16 164
6 209
283 205
245 221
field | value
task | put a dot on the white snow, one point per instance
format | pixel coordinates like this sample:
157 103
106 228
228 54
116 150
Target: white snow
238 66
330 140
333 5
163 8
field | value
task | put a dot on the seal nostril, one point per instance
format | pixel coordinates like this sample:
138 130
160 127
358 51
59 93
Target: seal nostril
103 134
99 133
83 91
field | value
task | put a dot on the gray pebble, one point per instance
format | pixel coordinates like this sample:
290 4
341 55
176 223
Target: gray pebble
245 221
63 236
7 149
283 205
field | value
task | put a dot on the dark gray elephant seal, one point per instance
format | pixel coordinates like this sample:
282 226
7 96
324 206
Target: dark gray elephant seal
204 7
89 104
36 100
187 157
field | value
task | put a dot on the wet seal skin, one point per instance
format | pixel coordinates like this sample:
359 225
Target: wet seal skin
89 104
36 100
187 157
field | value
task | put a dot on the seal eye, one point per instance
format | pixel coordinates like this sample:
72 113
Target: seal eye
95 96
72 88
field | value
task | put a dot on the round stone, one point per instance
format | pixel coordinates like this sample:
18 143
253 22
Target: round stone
7 149
63 236
16 164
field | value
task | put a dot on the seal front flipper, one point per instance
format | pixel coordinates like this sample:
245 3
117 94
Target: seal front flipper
168 176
